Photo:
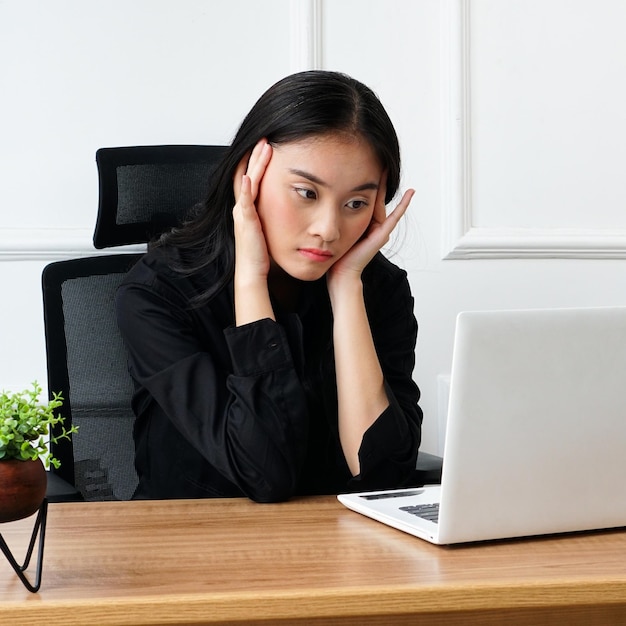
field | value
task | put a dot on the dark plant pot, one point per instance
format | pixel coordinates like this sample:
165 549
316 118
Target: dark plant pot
22 488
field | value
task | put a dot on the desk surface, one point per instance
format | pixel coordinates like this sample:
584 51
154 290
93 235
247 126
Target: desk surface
233 561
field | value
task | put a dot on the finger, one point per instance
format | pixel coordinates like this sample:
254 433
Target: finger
380 211
258 162
394 217
254 155
238 175
246 200
251 163
244 209
246 189
382 231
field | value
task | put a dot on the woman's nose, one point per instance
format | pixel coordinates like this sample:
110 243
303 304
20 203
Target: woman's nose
326 224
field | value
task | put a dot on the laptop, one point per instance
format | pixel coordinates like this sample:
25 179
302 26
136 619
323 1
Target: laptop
536 431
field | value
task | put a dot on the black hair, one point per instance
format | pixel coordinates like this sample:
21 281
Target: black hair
302 105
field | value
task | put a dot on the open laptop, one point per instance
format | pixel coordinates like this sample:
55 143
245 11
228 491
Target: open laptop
536 431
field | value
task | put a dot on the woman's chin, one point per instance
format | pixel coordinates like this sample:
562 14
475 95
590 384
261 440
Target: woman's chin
305 273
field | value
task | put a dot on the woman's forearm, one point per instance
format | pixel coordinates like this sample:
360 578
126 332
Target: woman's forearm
360 389
252 301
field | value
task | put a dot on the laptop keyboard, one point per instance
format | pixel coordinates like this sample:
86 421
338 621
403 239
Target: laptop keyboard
428 512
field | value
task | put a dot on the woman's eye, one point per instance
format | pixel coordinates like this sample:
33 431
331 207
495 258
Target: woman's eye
308 194
355 205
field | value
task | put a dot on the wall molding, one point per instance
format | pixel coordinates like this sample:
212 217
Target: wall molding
461 238
516 243
37 244
306 35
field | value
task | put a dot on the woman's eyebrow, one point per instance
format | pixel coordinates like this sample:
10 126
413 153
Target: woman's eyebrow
318 181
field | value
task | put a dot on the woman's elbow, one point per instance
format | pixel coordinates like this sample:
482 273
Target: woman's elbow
276 483
271 492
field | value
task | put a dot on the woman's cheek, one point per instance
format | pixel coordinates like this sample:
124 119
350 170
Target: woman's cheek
365 226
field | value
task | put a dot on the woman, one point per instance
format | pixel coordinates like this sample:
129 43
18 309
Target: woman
271 344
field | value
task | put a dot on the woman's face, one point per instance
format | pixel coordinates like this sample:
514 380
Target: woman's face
316 200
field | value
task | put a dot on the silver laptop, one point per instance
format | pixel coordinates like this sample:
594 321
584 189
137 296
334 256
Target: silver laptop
536 431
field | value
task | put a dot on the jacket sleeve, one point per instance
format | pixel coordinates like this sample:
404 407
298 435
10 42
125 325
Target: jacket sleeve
388 452
232 393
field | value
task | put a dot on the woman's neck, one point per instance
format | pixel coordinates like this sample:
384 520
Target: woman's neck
285 289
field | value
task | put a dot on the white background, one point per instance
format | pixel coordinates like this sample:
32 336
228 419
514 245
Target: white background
511 116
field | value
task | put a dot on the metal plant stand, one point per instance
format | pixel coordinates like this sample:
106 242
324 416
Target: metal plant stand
38 529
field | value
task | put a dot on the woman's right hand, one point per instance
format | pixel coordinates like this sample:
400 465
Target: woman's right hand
251 256
252 261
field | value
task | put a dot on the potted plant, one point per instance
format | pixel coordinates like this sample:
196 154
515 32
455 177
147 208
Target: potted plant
25 427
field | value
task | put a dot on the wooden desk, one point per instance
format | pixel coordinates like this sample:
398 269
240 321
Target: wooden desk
308 561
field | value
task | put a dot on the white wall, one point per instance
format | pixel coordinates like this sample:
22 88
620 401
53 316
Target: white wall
510 114
78 75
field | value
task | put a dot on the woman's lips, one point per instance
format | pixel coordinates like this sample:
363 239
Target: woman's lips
314 254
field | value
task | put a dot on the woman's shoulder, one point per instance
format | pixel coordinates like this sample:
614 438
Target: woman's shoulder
155 266
386 288
162 270
381 270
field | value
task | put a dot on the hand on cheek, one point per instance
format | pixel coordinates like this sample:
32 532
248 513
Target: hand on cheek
375 237
251 257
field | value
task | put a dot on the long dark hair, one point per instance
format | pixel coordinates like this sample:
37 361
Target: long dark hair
299 106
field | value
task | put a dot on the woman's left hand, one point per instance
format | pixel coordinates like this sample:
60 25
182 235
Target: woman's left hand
375 237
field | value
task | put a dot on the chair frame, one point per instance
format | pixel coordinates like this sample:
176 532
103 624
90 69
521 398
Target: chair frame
55 337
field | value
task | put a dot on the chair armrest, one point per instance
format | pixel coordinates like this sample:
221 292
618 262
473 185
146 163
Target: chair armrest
428 469
59 490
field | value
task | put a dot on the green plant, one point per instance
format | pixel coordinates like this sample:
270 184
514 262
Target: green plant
25 425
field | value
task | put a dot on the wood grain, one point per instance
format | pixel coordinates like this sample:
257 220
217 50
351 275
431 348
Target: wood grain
309 561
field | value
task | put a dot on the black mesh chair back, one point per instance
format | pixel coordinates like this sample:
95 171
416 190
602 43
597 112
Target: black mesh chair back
145 190
86 362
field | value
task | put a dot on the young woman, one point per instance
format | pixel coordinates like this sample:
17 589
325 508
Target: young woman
270 342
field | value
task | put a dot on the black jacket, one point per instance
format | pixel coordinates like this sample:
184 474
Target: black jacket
252 410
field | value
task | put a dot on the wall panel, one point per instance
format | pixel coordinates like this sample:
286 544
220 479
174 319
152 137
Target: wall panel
533 102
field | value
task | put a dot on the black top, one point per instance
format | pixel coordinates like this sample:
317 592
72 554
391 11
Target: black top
252 410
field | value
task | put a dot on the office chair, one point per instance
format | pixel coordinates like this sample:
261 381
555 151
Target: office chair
143 191
87 365
428 469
